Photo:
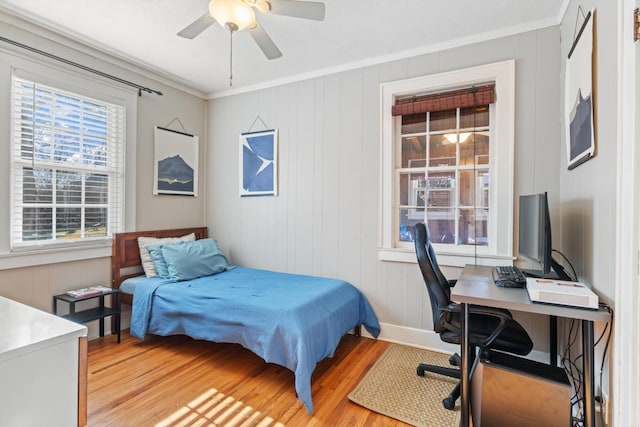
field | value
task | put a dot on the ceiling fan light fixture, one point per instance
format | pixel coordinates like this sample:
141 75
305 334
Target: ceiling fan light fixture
454 137
236 15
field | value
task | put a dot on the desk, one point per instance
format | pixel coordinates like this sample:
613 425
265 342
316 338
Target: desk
475 286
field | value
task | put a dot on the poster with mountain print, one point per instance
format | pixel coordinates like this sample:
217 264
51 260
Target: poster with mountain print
176 163
578 97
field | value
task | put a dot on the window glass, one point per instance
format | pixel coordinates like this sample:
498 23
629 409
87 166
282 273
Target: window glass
452 169
442 152
414 123
68 166
414 151
442 120
455 155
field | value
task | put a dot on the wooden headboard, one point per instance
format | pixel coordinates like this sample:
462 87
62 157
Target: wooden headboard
125 252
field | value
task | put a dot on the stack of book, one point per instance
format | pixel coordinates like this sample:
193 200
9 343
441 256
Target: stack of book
87 292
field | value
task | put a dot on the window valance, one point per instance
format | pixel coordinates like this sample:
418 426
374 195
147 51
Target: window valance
440 101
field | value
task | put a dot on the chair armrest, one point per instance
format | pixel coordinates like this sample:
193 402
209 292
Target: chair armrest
504 316
491 311
482 310
451 283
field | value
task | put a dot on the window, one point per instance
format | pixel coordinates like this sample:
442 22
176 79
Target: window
447 160
67 167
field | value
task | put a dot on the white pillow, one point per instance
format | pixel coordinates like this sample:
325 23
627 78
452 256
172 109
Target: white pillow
143 242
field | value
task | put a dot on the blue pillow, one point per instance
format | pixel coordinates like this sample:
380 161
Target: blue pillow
160 265
189 260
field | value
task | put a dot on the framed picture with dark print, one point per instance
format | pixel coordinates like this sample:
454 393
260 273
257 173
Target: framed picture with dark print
175 163
259 163
579 97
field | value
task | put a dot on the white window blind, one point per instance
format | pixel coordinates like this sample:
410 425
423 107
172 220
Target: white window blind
67 167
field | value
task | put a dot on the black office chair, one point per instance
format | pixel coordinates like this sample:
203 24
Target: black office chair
489 328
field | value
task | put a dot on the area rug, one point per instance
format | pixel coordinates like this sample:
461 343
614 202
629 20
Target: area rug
392 388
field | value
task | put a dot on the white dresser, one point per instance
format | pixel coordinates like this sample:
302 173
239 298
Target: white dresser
43 368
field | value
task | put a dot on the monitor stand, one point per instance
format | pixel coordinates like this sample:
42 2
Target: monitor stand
538 274
557 272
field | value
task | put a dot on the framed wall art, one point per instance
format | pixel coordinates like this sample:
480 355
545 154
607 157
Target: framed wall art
579 99
175 163
259 163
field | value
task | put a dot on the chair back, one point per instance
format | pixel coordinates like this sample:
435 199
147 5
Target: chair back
436 283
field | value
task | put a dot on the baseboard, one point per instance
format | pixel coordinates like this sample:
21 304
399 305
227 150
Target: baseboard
429 340
420 338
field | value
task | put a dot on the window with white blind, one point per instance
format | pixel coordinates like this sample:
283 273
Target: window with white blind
447 161
67 167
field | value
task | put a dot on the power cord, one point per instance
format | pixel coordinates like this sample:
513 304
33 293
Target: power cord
575 374
574 275
608 330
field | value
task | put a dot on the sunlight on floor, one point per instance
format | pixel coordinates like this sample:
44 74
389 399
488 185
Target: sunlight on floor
213 408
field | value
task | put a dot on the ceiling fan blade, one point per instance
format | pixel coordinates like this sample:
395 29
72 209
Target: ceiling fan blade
197 26
265 43
297 9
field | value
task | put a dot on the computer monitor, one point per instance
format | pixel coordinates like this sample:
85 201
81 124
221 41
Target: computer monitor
534 230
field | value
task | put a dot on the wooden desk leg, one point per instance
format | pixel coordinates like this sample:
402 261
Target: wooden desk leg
465 369
82 381
587 368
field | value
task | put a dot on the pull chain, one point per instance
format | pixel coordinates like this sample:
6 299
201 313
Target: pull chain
231 27
230 57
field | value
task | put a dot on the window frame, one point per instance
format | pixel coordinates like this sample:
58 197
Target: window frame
501 167
76 82
113 167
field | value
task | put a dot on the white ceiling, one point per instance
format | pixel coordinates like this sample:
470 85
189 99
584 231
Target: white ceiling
353 33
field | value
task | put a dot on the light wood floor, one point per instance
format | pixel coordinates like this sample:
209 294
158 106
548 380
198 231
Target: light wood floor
175 381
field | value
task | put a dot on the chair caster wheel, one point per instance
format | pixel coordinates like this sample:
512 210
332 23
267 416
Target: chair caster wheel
449 403
420 371
455 360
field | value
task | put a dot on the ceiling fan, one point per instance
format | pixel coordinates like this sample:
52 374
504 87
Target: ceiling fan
236 15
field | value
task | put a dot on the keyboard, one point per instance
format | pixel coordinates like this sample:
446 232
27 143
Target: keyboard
508 276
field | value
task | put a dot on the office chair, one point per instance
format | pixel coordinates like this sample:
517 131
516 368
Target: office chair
489 328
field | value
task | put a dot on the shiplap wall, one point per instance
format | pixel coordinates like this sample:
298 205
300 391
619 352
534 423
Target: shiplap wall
325 219
589 193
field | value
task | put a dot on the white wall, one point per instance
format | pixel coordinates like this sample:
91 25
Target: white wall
588 194
35 285
325 219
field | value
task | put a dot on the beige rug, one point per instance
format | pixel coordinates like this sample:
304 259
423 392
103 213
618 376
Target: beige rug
392 388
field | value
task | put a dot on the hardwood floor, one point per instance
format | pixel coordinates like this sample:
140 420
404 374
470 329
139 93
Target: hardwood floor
178 381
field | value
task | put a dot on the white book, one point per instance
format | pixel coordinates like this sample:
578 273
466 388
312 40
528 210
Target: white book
561 292
90 291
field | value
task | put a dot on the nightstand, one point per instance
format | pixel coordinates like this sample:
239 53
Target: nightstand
96 313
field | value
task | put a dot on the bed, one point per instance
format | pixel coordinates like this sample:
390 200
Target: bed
288 319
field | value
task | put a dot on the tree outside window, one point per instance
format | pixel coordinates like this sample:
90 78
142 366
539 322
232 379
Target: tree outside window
68 166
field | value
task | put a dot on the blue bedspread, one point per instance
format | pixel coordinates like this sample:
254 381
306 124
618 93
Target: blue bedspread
292 320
